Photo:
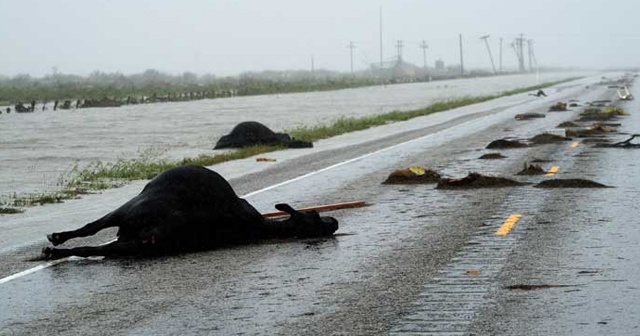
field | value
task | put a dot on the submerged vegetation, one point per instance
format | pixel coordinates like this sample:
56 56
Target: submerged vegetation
100 175
10 210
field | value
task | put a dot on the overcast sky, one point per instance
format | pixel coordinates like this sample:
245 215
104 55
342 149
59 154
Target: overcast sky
227 37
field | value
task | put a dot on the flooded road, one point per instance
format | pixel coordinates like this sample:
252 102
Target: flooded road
36 149
418 260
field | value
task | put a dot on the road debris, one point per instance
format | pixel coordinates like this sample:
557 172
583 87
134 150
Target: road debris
570 183
622 144
413 175
475 180
528 116
558 107
492 156
531 170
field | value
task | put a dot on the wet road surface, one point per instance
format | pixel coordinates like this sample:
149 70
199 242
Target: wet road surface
417 261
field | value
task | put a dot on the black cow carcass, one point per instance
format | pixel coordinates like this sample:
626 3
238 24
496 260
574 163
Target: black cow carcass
185 209
253 133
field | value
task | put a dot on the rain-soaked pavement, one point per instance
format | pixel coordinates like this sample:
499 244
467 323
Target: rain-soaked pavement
418 261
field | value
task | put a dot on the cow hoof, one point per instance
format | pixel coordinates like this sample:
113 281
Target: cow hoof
54 238
47 253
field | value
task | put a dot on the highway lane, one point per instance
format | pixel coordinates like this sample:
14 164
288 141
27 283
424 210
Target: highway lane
364 282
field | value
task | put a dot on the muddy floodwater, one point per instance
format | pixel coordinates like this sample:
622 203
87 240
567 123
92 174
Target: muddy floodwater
36 149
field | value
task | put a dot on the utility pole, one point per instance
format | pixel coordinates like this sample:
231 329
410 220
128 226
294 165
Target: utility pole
351 46
519 48
399 46
501 55
486 42
424 47
381 58
461 58
313 68
530 49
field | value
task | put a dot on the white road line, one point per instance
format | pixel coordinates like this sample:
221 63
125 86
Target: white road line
31 270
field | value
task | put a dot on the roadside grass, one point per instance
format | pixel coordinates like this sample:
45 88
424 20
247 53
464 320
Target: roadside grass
100 175
350 124
10 210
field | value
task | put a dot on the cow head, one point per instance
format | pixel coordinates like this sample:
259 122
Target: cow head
309 224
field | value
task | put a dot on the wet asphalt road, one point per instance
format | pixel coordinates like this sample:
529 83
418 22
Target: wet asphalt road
417 261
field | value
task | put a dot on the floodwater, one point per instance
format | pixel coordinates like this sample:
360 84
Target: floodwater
37 149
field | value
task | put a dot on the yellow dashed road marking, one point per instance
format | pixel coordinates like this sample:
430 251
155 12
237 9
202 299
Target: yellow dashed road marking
553 170
508 224
575 144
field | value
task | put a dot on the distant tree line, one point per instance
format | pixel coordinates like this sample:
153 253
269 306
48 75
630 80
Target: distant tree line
153 84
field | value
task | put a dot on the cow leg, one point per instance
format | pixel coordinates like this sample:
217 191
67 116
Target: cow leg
117 248
90 229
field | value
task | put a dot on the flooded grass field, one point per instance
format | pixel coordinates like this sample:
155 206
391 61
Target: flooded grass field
37 149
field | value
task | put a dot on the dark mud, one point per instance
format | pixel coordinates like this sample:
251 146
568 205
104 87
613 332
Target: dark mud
529 116
540 139
413 175
567 124
506 144
558 107
536 160
593 130
525 287
570 183
492 156
532 170
596 114
475 181
546 138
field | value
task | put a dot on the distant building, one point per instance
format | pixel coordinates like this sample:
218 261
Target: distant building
397 71
439 65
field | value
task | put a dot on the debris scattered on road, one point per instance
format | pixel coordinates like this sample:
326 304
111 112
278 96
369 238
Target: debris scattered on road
492 156
531 170
570 183
525 287
600 103
528 116
593 130
265 159
567 124
506 144
475 180
596 114
413 175
540 139
558 107
622 144
547 138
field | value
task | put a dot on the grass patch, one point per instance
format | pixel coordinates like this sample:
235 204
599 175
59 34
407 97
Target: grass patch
350 124
99 175
10 210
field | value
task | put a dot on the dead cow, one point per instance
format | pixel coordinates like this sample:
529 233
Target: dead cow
252 133
186 209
